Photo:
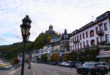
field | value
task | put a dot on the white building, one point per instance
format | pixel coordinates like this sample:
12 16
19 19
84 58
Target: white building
55 42
92 34
44 50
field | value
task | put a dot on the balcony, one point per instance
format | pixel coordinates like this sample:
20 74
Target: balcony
75 41
102 43
100 33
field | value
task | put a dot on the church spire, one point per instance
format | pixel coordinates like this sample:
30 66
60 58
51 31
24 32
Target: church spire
65 32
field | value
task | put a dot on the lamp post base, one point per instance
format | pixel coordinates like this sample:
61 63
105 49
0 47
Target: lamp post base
29 67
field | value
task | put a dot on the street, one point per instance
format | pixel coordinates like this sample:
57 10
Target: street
41 69
45 69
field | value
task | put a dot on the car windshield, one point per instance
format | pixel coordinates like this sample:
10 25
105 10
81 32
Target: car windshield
88 65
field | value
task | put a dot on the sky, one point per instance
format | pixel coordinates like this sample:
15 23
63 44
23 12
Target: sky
62 14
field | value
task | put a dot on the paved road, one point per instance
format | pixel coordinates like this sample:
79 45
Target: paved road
44 69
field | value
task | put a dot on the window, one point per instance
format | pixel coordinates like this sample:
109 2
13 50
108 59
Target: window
83 36
77 37
102 38
73 40
96 29
87 43
92 42
73 47
91 33
97 40
80 45
107 37
80 36
87 34
101 27
105 26
83 44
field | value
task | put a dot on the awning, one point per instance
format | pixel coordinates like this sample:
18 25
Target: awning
103 56
104 52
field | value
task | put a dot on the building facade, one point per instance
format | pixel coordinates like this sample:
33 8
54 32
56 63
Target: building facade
64 43
93 34
55 42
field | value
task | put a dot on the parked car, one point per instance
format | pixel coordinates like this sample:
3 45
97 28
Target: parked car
78 64
72 63
67 64
105 64
91 68
7 67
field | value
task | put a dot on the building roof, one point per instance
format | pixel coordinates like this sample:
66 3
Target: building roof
92 23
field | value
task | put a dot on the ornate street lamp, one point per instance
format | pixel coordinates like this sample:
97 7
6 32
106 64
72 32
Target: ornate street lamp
25 28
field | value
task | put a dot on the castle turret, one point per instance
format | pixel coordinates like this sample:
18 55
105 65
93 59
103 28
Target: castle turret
50 28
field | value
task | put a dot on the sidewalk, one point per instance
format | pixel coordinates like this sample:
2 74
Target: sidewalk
18 71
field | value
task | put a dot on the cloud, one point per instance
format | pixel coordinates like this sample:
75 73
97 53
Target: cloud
62 14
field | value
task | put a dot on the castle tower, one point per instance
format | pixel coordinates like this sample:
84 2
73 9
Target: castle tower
65 32
50 28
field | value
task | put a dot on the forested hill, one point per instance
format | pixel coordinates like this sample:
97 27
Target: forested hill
41 41
11 51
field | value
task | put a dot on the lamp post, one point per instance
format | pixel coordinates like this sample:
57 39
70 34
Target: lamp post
25 28
29 67
77 56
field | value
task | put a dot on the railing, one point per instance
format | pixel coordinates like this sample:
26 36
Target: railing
100 33
102 43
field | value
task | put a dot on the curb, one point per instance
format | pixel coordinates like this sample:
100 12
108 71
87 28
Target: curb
13 72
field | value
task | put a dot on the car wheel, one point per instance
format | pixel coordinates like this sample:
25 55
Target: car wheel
89 73
102 74
77 71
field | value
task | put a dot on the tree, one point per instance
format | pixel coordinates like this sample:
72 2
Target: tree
90 54
44 58
16 61
41 41
11 51
66 57
54 57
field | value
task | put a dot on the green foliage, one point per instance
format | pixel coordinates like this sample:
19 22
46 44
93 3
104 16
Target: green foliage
54 57
90 54
44 58
85 55
41 41
11 51
66 57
